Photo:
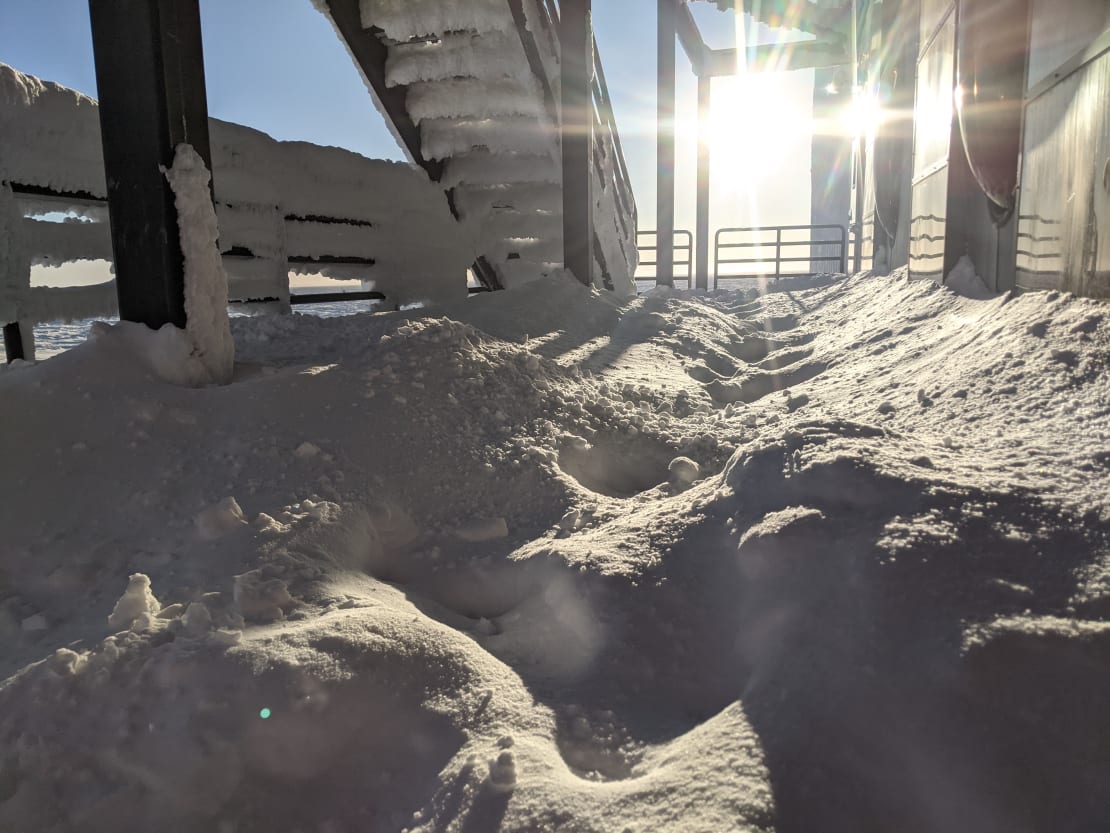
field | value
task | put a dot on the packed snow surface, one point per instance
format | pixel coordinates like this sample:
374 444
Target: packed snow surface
829 557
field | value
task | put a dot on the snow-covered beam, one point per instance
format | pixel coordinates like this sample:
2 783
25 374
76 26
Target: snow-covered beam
779 57
150 81
827 18
689 35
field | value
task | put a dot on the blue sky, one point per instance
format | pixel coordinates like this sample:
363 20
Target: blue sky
276 65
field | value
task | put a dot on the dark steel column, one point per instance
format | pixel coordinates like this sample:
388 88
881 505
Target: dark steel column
13 342
150 82
664 150
577 44
704 107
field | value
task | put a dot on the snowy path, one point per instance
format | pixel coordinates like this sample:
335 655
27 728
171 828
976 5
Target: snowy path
834 558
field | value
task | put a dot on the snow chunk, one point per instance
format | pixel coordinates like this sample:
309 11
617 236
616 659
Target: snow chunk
683 472
219 520
136 601
261 598
306 450
502 771
570 521
205 282
197 620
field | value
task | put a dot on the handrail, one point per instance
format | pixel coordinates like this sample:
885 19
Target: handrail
779 244
687 248
532 53
606 133
611 123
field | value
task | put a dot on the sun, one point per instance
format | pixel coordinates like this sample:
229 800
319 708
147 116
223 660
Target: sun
755 127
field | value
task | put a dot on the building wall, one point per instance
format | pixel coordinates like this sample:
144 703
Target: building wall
933 118
1064 202
1059 234
1061 30
893 46
972 230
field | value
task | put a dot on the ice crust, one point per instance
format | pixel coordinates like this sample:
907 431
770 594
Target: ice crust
207 326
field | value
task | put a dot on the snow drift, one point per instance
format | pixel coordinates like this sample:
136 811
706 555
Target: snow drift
829 557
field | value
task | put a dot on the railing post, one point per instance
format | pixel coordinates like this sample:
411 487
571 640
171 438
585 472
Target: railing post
704 109
576 45
716 257
664 150
150 81
778 252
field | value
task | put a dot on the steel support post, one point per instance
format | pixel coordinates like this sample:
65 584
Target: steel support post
704 108
858 167
577 45
664 150
13 342
150 82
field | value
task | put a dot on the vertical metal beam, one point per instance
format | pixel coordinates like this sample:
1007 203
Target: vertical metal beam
13 342
859 174
577 47
858 167
664 146
705 87
150 82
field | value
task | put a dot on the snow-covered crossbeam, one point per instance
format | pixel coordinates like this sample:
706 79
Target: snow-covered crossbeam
281 205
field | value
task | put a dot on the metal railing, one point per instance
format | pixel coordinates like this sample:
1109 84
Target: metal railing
608 159
685 248
760 239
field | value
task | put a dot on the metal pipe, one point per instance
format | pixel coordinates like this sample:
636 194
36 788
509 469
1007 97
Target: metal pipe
576 44
664 146
859 166
704 111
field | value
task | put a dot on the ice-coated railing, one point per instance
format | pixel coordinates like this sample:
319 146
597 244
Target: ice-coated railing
615 218
283 207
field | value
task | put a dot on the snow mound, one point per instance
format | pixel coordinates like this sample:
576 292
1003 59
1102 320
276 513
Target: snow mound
836 556
964 280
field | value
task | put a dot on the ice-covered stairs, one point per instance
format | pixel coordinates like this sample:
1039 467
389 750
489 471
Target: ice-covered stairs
481 110
487 115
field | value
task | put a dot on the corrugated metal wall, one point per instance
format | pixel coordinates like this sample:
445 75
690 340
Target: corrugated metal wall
1064 202
932 139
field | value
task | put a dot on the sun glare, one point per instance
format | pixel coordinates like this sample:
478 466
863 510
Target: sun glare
754 127
756 122
862 117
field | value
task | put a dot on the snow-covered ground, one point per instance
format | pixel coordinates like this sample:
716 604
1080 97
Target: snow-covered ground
831 558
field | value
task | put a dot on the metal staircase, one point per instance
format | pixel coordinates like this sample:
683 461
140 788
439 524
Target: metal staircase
471 90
